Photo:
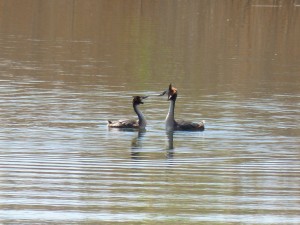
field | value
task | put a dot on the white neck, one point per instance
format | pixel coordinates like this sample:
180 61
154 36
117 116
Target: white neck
170 121
142 119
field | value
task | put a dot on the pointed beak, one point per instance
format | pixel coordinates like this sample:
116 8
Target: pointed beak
163 93
144 97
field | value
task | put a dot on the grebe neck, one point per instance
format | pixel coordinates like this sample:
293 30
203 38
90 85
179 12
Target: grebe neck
142 119
170 121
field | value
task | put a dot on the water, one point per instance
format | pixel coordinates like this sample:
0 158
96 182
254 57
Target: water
63 75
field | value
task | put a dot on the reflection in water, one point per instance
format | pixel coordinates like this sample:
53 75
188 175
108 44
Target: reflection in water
138 152
170 147
136 145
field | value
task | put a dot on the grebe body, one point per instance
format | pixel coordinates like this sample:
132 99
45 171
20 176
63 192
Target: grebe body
139 123
171 123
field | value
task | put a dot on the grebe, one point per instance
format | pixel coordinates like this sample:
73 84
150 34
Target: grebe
171 124
132 123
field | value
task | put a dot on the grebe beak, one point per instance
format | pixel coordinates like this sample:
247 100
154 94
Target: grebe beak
163 93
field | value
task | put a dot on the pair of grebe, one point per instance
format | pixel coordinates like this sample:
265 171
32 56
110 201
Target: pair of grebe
171 123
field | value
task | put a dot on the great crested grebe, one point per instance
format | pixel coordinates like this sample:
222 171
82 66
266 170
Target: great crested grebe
132 123
171 124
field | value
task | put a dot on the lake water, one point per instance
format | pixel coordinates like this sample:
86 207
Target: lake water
66 67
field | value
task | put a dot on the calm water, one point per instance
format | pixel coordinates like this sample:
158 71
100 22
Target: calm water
68 66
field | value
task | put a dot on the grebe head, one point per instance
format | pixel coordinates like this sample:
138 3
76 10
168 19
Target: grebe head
138 99
172 93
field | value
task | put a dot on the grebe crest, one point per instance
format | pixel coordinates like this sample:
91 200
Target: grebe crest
172 93
138 100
